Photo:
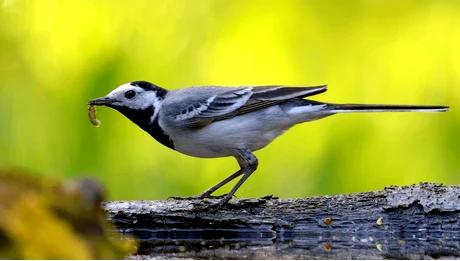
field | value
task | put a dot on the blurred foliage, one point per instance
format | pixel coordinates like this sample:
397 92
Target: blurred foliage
44 219
57 54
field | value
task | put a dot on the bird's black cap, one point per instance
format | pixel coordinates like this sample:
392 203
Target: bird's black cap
148 86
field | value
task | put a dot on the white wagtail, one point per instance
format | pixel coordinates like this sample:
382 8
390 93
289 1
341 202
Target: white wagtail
214 121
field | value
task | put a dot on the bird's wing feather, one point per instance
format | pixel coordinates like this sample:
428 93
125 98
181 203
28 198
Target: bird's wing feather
265 96
238 101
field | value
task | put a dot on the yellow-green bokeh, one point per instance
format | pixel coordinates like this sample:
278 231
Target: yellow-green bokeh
56 55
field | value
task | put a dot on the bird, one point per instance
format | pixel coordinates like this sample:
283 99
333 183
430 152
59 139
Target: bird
223 121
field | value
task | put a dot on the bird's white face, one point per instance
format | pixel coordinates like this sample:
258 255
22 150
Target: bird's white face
133 97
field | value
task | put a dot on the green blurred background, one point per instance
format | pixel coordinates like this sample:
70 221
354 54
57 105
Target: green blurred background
56 55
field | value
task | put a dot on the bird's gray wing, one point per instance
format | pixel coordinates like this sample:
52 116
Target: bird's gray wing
265 96
226 104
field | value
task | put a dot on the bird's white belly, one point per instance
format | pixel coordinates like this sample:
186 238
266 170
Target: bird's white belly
224 138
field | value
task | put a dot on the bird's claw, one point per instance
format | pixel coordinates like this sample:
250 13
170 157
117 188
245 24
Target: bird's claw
202 196
213 207
225 203
208 205
217 197
185 198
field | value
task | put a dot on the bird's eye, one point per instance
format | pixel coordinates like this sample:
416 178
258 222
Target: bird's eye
130 94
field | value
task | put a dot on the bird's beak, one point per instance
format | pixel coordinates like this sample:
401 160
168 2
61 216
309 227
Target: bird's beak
100 101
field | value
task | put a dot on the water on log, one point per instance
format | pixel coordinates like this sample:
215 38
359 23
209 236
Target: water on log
416 222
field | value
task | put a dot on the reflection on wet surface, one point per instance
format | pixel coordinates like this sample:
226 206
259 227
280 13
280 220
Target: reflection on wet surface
289 244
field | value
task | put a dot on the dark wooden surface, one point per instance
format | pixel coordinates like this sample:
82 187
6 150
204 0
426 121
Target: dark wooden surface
420 221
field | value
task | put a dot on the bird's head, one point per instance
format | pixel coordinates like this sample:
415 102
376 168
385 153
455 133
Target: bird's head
138 95
139 100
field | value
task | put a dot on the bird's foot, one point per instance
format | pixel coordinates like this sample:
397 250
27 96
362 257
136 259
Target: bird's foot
213 207
225 203
216 197
202 196
186 198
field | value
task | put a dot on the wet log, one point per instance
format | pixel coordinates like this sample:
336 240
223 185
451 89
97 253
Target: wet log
416 222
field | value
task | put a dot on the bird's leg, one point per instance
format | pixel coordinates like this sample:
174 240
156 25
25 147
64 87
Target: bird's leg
207 193
248 163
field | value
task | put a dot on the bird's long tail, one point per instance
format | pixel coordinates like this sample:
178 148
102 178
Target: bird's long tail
344 108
